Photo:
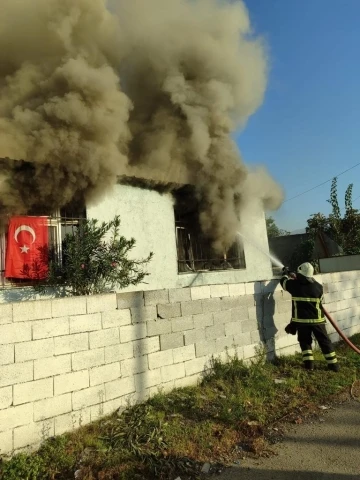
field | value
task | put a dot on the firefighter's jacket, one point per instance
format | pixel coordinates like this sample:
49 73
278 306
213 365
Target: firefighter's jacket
307 297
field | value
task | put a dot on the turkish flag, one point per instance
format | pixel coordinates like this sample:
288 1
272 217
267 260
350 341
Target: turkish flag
27 248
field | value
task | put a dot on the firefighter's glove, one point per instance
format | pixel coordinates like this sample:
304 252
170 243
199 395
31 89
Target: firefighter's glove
291 329
285 271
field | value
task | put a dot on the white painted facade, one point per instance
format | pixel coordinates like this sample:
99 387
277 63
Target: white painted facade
148 216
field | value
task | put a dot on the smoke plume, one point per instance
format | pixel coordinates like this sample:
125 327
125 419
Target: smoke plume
91 90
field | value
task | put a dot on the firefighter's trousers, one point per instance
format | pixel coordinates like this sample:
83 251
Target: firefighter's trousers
305 333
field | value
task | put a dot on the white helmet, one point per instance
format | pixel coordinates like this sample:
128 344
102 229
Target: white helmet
306 269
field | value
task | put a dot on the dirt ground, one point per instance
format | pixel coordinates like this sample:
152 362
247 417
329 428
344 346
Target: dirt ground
327 448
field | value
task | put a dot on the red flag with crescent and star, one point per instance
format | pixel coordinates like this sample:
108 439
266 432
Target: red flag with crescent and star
27 248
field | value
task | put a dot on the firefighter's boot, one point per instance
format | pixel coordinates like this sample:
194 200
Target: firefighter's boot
309 364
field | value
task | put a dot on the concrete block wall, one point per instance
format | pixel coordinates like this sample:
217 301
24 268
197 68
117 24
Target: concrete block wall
67 362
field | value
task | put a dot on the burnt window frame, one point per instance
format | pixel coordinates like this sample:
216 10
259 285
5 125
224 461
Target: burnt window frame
193 248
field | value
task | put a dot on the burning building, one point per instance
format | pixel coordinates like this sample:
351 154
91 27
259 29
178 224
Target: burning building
92 91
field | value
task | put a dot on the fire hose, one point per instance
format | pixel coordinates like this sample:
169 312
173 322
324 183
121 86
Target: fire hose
342 335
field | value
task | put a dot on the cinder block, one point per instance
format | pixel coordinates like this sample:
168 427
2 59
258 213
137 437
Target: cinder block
232 328
119 388
6 399
6 442
7 354
242 339
71 343
16 373
181 324
220 318
85 323
71 421
31 391
211 305
229 303
158 327
171 340
192 308
117 353
108 408
192 381
15 416
52 407
169 311
200 293
237 289
194 336
256 313
132 366
63 307
203 320
205 347
253 287
105 373
116 318
179 295
146 346
211 333
147 380
33 310
223 343
88 359
249 326
6 314
34 350
143 314
198 365
101 303
53 327
48 367
160 359
33 434
218 291
164 388
250 351
13 333
130 300
172 372
255 336
184 354
88 396
129 333
70 382
154 297
239 314
104 338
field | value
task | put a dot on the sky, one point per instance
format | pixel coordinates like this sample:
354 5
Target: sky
308 129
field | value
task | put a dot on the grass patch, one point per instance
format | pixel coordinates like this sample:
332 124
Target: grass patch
232 413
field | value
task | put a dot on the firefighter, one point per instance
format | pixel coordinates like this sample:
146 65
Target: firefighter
308 318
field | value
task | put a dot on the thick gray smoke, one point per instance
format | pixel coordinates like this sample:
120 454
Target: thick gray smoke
90 90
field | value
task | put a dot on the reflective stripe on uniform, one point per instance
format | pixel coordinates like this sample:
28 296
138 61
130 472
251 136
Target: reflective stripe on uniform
330 357
317 301
307 355
307 299
308 320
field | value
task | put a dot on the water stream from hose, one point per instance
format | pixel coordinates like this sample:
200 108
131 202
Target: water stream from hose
275 261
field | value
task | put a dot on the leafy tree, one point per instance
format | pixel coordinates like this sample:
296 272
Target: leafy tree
273 230
95 260
344 230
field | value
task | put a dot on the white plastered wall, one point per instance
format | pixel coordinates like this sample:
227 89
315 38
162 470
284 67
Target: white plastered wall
148 216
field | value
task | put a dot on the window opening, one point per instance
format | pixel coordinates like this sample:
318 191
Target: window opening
194 251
